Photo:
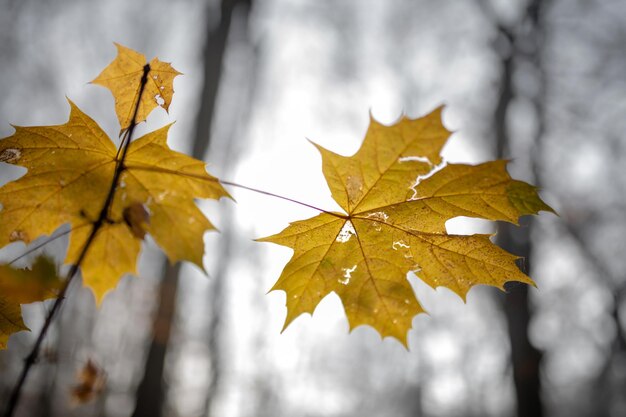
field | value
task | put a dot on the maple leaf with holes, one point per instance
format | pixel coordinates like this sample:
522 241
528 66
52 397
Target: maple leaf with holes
24 286
392 226
123 77
70 172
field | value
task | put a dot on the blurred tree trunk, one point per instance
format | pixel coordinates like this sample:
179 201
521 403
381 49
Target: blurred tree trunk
516 44
151 391
227 150
150 394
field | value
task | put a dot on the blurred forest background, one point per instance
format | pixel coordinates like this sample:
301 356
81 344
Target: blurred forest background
542 82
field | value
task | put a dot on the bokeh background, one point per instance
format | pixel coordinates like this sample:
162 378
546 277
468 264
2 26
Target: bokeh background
540 82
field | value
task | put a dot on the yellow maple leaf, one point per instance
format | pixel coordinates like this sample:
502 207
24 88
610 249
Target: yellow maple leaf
394 223
23 286
123 77
70 172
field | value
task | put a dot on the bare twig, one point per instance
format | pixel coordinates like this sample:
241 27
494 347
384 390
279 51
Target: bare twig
31 359
45 242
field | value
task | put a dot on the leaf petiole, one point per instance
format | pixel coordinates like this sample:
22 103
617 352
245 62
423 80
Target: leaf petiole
233 184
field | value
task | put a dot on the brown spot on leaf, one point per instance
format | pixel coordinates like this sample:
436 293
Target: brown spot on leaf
10 155
138 219
18 235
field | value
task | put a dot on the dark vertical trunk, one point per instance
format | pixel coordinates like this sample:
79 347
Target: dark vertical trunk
216 300
151 391
525 358
214 50
227 150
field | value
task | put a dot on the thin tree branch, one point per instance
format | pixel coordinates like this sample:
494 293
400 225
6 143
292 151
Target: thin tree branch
31 359
45 242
